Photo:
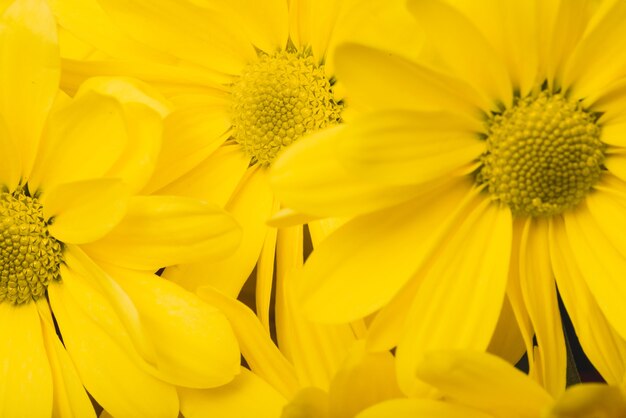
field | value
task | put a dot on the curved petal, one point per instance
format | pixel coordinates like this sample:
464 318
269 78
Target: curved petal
507 341
407 85
604 348
310 178
69 396
266 23
404 147
341 280
462 290
194 343
411 408
82 142
85 211
102 355
25 377
540 297
485 382
160 231
10 161
464 51
248 396
590 400
200 33
251 205
29 73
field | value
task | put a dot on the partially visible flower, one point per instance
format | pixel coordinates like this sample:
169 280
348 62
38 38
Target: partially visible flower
491 167
79 305
479 385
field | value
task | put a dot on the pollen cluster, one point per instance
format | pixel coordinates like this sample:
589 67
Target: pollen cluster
543 155
29 257
278 99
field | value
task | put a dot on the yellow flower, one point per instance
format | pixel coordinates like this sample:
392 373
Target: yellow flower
80 307
494 164
480 385
247 79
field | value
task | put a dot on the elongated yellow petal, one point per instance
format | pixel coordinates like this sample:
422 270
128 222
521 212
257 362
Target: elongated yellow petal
507 341
257 348
10 159
85 211
29 73
473 59
485 382
341 280
411 408
248 396
408 85
160 231
266 23
100 349
69 396
602 345
459 300
82 142
311 178
194 343
25 378
590 400
265 276
539 293
200 33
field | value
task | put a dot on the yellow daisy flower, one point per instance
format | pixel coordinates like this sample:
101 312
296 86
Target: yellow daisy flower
79 305
247 79
474 384
493 164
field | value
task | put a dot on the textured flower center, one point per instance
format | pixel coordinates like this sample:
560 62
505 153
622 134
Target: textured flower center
278 99
543 155
29 257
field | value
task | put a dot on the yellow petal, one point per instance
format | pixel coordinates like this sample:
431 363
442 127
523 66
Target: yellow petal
248 396
160 231
308 402
69 396
25 377
539 293
260 353
82 142
459 300
411 408
29 73
464 51
191 135
85 211
590 400
614 134
604 348
310 178
215 179
341 279
599 252
194 343
10 164
407 147
363 380
507 341
196 32
265 276
407 85
266 23
485 382
102 353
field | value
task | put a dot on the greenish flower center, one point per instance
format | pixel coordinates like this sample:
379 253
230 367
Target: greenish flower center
543 156
29 257
278 99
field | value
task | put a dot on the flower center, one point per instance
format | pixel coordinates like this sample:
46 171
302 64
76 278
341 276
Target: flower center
543 155
29 257
278 99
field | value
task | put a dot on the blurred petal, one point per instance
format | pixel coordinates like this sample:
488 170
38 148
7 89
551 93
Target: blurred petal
10 162
412 408
590 400
160 231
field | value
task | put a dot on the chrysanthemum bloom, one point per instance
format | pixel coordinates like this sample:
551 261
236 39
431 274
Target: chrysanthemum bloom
479 385
320 371
247 79
494 164
79 308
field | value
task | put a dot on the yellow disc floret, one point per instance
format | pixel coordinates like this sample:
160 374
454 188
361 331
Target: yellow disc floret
543 155
29 257
278 99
